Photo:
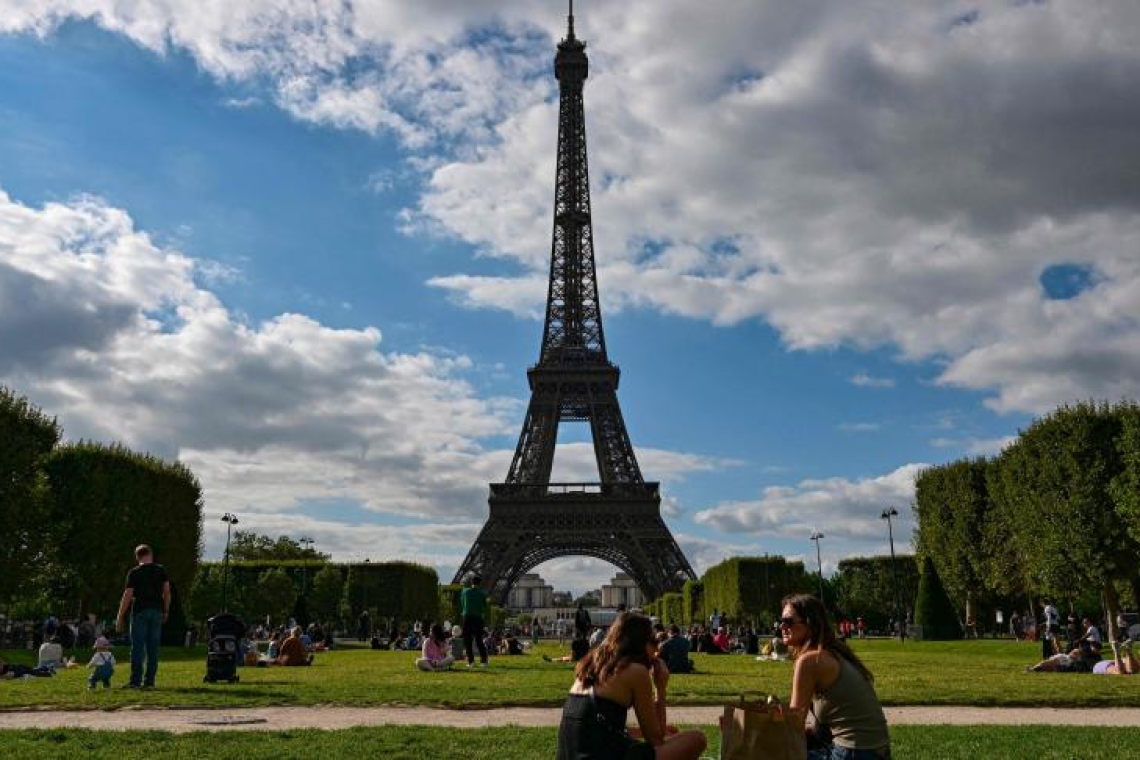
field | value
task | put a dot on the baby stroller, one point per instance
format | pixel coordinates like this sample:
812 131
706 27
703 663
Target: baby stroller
223 650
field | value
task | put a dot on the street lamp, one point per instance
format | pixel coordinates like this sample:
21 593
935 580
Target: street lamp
306 542
230 520
816 536
887 514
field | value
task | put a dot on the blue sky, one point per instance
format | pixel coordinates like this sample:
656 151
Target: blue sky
303 247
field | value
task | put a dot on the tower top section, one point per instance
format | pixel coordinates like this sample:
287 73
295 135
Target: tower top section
570 64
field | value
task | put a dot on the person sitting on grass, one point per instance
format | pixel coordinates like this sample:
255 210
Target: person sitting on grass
833 684
51 655
674 652
455 643
511 644
435 655
721 641
293 651
620 673
1082 659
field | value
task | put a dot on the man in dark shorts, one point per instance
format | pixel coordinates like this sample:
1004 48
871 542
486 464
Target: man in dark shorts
147 595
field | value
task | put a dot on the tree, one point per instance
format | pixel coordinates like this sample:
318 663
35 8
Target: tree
274 596
933 612
956 530
206 595
27 436
326 593
588 599
1052 490
246 545
866 587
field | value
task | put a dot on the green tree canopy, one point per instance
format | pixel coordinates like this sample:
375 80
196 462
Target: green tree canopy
867 587
27 436
956 530
248 546
273 598
933 612
1053 492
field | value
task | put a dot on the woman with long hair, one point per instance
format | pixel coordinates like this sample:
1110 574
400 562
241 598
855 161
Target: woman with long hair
622 672
435 655
833 684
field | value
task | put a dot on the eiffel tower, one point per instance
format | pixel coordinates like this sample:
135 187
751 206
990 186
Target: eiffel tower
531 519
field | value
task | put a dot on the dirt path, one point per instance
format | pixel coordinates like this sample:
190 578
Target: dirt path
281 718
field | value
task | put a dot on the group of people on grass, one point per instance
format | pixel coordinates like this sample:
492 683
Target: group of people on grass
628 669
1084 652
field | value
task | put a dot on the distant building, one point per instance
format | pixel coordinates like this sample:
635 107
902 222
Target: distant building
622 590
531 592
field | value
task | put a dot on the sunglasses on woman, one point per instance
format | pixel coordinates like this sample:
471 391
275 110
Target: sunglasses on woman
788 621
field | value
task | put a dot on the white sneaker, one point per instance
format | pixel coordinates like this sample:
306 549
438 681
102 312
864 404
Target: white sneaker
483 665
470 665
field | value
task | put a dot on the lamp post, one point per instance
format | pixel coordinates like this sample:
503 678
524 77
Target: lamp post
887 514
230 520
816 536
307 543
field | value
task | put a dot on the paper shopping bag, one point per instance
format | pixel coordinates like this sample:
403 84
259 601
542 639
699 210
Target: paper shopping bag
761 730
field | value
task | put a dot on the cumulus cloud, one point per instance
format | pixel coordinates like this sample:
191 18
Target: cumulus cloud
852 174
110 332
846 511
283 421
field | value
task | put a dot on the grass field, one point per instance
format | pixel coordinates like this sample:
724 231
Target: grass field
980 673
416 743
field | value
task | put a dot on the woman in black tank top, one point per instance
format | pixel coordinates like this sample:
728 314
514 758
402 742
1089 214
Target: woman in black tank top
622 672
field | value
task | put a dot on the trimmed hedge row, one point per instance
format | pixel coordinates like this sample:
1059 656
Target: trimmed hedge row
105 500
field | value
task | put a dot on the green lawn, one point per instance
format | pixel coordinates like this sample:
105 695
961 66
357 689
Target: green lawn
914 673
416 743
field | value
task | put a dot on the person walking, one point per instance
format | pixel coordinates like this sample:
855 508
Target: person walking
473 606
147 598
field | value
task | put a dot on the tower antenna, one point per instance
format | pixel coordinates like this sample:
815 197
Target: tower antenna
570 34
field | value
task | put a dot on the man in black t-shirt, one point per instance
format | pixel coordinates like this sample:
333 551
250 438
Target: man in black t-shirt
148 593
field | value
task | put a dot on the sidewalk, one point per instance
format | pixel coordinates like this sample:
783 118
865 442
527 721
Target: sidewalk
283 718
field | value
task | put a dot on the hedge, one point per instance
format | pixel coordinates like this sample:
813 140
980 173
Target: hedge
105 500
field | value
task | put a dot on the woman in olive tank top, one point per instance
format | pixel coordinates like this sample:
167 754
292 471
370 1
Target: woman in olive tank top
833 684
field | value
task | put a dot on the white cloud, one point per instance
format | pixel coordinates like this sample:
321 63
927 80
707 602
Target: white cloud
110 332
287 423
846 511
859 427
852 174
975 446
863 380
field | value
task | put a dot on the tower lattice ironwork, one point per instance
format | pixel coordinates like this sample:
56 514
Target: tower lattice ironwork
619 518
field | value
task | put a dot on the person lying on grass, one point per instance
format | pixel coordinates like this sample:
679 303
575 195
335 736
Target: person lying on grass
1123 663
